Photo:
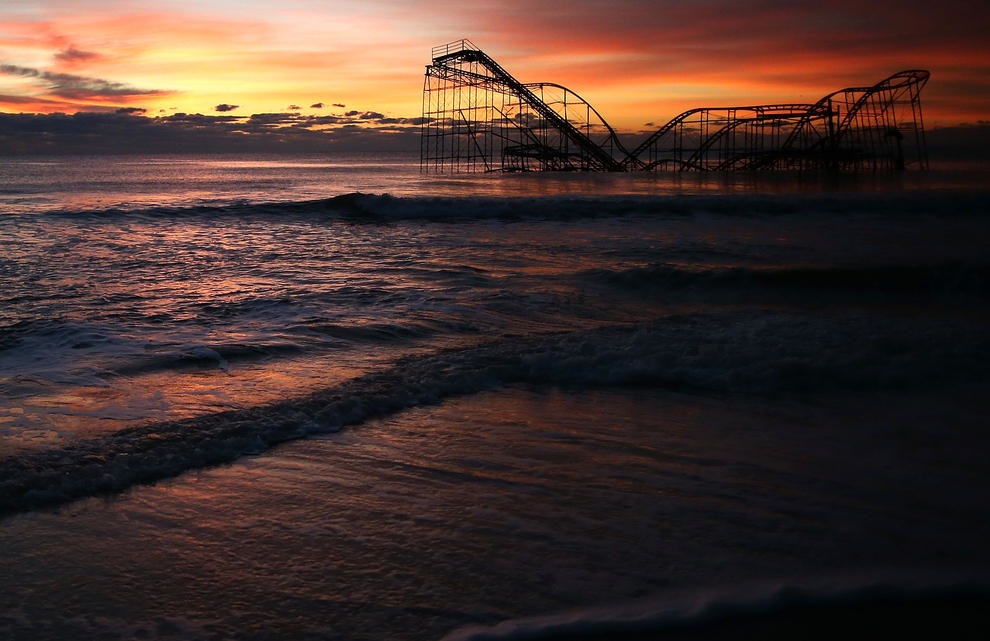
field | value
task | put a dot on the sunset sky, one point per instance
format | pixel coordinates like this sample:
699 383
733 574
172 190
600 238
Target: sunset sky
636 61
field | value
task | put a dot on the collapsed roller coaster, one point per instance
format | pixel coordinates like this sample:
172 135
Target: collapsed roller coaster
478 117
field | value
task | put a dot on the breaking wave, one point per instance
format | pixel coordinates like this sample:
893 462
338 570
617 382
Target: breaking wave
744 352
378 208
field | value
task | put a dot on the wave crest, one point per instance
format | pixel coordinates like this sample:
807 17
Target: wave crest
759 353
378 208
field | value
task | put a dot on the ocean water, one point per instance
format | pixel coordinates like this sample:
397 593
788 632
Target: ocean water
272 397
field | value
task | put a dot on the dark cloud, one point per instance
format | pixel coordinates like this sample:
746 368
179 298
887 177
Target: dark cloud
199 120
316 105
273 119
316 121
73 87
364 115
72 55
373 116
225 107
131 110
294 108
340 105
127 130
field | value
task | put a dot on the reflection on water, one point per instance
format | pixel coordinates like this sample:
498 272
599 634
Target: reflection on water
43 415
126 318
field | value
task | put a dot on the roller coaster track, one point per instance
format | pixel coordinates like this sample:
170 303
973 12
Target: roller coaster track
867 118
477 116
715 129
468 84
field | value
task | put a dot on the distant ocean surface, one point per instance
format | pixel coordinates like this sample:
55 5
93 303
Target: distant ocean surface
276 397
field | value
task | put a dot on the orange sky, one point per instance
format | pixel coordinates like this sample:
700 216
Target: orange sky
636 61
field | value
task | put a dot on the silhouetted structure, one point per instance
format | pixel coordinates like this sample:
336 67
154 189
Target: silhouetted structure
478 117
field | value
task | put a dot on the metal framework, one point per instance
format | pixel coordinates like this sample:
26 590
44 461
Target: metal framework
478 117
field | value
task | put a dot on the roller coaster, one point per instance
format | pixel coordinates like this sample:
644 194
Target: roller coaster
478 117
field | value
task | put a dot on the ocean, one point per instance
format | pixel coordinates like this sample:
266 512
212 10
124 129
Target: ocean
314 397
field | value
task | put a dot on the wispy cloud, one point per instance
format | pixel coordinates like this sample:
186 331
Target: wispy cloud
72 56
73 87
